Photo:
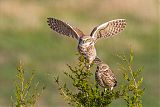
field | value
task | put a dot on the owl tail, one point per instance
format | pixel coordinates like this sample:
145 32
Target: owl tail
97 60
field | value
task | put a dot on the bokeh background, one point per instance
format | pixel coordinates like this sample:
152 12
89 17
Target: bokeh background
25 35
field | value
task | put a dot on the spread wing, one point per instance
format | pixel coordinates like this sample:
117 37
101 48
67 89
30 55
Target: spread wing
108 29
64 28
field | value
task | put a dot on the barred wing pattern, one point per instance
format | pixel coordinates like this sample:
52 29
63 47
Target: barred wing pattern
64 28
108 29
105 77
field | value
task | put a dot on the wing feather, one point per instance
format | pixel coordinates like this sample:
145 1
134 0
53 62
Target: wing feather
108 29
64 28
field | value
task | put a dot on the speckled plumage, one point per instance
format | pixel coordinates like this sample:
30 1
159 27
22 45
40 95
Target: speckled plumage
105 77
86 42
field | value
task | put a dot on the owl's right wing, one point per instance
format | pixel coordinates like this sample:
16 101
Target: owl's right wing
64 28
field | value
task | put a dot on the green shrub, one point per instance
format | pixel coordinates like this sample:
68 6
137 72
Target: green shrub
131 87
26 93
89 94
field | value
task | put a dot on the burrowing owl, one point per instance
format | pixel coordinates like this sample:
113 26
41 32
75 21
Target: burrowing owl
86 42
105 77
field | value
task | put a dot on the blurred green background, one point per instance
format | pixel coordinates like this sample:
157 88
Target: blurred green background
25 35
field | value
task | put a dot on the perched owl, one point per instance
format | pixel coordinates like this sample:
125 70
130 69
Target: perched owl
105 77
86 42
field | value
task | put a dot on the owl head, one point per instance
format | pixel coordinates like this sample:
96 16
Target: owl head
86 40
102 67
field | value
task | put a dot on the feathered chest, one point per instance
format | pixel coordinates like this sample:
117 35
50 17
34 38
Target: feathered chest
86 48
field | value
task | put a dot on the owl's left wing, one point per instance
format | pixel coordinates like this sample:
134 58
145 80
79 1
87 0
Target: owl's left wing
108 29
64 28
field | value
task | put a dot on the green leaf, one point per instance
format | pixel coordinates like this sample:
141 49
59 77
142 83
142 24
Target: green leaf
131 56
140 81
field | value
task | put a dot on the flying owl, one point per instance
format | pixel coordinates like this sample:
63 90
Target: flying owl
86 42
105 77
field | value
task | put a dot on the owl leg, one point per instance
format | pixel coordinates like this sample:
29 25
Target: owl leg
111 88
88 64
105 89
